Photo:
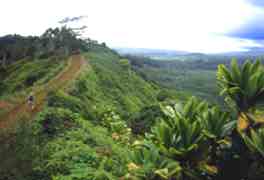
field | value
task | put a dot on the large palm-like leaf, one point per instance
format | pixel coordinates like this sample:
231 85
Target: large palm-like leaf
147 163
188 133
191 110
177 142
184 129
217 124
243 85
181 132
255 141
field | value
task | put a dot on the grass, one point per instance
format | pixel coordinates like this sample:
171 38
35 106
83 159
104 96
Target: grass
104 83
21 77
21 109
24 76
109 84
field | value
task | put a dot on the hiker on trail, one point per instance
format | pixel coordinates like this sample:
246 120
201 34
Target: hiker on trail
31 101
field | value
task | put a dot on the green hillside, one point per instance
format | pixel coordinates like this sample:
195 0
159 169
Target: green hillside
99 116
109 83
28 73
105 86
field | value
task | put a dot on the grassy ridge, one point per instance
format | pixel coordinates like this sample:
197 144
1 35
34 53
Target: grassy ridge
109 85
18 77
61 80
65 126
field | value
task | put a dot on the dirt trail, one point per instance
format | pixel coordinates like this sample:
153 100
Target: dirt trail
4 105
22 110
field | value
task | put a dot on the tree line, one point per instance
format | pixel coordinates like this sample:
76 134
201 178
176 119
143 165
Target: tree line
53 42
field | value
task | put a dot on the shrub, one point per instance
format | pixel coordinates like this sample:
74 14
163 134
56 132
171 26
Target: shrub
85 152
191 136
61 99
53 121
142 121
243 88
147 163
33 77
116 126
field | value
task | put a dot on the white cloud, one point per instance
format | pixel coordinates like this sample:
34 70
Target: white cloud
174 24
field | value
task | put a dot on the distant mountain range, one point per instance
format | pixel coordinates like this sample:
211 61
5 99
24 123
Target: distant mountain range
163 54
252 52
150 52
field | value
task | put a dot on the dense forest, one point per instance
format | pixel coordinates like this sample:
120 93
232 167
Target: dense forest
126 118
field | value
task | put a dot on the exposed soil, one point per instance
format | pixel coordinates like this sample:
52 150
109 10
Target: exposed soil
24 111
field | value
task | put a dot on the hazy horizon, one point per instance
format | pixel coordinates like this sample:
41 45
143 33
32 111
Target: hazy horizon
207 26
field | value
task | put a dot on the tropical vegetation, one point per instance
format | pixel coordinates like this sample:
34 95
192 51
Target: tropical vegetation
112 122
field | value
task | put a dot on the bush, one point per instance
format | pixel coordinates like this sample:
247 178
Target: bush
53 121
33 77
85 152
142 121
61 99
18 150
189 136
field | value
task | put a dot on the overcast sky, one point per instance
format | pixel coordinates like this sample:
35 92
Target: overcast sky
191 25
